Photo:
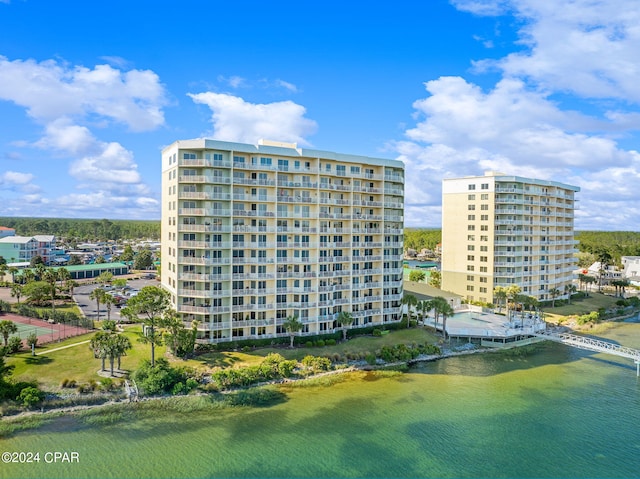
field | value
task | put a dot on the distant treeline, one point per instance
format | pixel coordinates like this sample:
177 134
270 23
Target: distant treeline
418 239
84 229
616 243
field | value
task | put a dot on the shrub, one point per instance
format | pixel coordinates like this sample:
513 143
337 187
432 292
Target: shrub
308 344
330 342
15 344
370 358
377 332
191 384
30 396
159 379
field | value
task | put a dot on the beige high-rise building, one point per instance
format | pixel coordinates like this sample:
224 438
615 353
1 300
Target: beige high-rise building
252 234
501 230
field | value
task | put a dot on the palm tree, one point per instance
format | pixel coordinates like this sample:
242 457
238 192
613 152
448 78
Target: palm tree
292 326
7 328
345 320
411 301
51 277
108 301
16 291
554 293
438 304
604 257
99 344
569 289
117 345
12 271
500 296
99 295
27 275
446 310
424 307
512 295
70 285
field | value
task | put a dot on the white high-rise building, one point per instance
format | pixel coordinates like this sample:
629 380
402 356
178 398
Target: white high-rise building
501 230
252 234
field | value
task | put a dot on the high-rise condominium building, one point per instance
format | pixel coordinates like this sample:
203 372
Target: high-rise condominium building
253 234
500 230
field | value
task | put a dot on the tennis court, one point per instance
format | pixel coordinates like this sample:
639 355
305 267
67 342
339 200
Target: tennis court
46 332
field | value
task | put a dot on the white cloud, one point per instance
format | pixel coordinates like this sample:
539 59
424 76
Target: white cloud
572 52
237 120
15 178
113 164
289 86
49 90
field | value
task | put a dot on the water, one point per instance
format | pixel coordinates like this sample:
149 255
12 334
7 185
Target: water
560 412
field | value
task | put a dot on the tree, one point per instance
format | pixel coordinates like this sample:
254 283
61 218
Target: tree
99 296
143 260
12 271
554 293
116 346
51 277
74 259
424 307
7 328
16 291
446 310
411 301
99 346
152 302
500 296
345 320
513 293
105 277
108 301
35 261
604 258
438 304
36 292
569 289
70 285
435 279
292 326
32 340
417 276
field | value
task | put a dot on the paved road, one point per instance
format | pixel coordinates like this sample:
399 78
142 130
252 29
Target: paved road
88 306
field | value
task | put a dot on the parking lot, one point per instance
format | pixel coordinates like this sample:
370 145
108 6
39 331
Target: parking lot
88 306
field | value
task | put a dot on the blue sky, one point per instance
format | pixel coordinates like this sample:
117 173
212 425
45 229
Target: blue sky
90 92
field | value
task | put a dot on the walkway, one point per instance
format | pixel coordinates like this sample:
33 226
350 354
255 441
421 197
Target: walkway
592 344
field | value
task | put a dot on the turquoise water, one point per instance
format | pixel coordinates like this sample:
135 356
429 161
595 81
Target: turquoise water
559 412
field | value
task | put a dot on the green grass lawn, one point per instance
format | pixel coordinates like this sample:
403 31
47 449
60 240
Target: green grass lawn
593 302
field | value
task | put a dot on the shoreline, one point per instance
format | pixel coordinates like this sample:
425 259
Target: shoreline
447 353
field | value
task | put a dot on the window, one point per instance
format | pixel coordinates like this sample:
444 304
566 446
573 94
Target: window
484 207
484 196
484 228
469 287
471 217
471 237
483 269
470 277
471 197
483 259
341 170
470 267
470 257
471 227
470 247
355 170
471 207
484 217
484 186
472 187
484 248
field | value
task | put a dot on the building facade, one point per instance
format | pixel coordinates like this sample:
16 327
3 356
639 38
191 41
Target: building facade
500 230
253 234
